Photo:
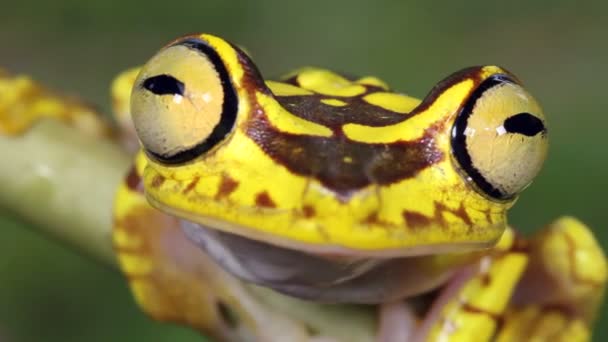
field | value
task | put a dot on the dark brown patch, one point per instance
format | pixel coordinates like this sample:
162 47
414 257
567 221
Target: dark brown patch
488 215
308 211
372 218
463 215
133 180
356 111
157 181
486 279
439 210
263 200
191 185
323 157
227 186
414 219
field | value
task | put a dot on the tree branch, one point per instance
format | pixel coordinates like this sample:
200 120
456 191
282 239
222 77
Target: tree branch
63 182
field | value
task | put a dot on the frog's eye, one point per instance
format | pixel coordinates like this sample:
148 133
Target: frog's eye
183 102
499 138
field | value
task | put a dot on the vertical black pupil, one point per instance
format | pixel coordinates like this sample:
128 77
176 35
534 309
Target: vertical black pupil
164 85
524 123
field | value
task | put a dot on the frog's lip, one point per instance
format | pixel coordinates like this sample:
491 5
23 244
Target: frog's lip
323 249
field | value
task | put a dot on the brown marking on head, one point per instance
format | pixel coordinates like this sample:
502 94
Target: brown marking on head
322 157
417 220
372 218
440 208
133 180
227 186
461 212
191 185
488 215
157 181
263 199
308 211
356 111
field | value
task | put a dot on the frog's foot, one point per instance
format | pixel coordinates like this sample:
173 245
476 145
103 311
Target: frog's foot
471 306
24 102
562 287
173 280
544 289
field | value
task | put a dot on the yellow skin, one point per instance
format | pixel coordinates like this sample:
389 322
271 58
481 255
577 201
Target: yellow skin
440 219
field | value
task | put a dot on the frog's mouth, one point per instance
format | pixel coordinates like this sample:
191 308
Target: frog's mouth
343 232
355 279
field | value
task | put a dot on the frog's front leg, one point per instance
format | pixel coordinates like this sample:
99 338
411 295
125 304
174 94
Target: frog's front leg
470 306
563 287
547 288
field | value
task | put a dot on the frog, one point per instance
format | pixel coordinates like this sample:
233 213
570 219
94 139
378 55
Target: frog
337 189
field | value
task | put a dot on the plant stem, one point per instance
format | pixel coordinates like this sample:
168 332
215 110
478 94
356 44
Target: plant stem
63 181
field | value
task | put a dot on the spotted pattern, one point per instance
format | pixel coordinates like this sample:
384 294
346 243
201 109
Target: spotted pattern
263 199
227 186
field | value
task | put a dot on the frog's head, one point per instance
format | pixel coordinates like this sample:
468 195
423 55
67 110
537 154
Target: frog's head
326 164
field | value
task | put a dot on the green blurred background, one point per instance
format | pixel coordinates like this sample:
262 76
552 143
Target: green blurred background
558 48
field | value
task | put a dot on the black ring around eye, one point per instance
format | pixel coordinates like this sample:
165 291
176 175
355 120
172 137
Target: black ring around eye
459 147
229 107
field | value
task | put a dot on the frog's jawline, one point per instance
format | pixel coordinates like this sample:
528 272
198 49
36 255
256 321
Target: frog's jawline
327 249
366 280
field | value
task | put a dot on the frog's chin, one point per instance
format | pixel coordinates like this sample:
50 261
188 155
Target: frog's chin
355 279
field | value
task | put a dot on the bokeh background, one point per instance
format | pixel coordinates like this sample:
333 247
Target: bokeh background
558 48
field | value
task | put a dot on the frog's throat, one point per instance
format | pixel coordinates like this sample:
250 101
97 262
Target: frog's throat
365 280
